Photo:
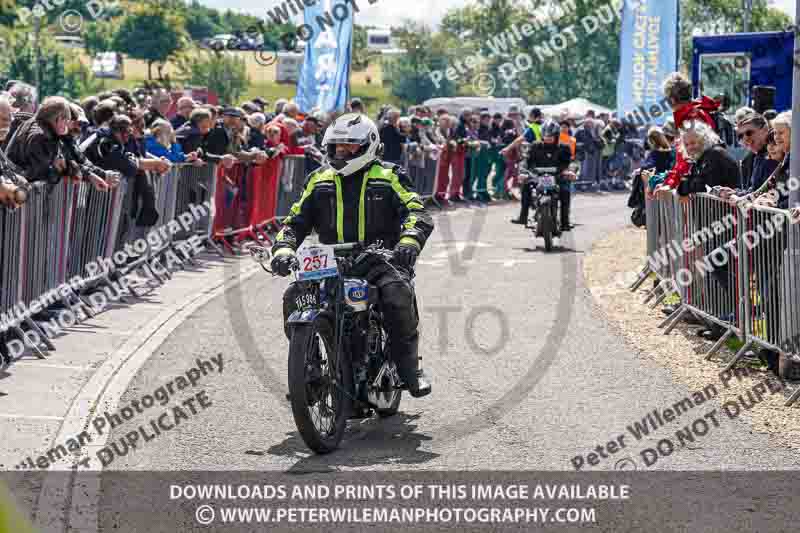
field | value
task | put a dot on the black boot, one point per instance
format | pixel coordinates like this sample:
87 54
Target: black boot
409 371
5 355
524 208
770 359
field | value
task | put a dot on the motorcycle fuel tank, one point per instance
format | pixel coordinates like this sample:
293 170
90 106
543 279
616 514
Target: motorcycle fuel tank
356 294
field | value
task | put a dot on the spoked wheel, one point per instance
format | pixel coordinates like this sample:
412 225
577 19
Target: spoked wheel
387 397
546 227
320 385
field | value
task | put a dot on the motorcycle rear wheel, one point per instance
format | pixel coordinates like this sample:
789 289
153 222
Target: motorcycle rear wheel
319 379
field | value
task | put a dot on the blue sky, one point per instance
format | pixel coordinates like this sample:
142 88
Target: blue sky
393 12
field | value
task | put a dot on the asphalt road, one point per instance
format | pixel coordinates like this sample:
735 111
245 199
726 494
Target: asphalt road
526 373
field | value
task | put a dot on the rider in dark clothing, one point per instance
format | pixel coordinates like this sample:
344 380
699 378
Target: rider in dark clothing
359 198
548 153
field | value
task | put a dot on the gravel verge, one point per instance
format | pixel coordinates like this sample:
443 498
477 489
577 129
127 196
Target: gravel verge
609 269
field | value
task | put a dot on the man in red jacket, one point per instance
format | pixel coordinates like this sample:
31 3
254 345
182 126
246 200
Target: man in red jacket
678 92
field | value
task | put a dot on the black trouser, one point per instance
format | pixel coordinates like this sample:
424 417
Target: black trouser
400 318
525 202
564 198
144 201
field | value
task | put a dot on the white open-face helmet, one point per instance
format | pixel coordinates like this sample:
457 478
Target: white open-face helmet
352 128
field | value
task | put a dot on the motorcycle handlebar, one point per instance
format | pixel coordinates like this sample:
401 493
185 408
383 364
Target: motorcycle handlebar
348 247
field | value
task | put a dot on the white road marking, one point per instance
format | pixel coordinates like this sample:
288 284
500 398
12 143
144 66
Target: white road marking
510 263
19 364
32 417
105 388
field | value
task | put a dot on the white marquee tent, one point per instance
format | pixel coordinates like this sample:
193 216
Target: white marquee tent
575 108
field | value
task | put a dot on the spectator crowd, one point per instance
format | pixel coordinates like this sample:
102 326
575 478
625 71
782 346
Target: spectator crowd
699 150
475 153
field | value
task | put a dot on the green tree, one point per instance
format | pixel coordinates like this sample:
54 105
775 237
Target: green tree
410 73
8 12
555 73
200 22
221 72
25 11
716 17
361 54
593 71
98 37
150 33
58 75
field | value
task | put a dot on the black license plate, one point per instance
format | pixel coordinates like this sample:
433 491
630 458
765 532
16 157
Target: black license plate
307 300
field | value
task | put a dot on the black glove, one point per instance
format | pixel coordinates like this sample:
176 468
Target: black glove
405 255
282 264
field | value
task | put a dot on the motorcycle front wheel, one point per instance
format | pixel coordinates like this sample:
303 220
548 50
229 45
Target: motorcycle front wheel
320 385
546 227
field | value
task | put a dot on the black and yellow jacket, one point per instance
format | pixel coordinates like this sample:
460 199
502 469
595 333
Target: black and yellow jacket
375 203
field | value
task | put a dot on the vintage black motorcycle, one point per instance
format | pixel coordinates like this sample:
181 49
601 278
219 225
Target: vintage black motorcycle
544 203
339 362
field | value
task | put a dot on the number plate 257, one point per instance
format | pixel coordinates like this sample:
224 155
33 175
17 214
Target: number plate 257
316 262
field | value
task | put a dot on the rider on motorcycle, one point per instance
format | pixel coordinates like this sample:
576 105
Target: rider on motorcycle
356 197
549 153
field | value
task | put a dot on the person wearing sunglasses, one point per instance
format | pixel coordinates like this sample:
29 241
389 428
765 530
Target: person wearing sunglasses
752 131
775 192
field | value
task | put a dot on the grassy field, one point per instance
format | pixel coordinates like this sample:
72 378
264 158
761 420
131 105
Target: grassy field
262 81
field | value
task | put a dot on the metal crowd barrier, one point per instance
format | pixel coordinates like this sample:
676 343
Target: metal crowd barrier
36 249
707 279
790 290
652 218
185 189
165 188
197 186
290 184
422 168
13 266
768 245
736 268
426 187
47 243
413 161
95 224
663 261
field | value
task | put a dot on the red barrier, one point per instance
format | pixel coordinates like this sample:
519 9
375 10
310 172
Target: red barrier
265 195
245 201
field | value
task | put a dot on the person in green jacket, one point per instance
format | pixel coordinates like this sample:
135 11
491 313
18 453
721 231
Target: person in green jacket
357 197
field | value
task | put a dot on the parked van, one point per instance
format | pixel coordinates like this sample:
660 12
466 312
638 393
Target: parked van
108 65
